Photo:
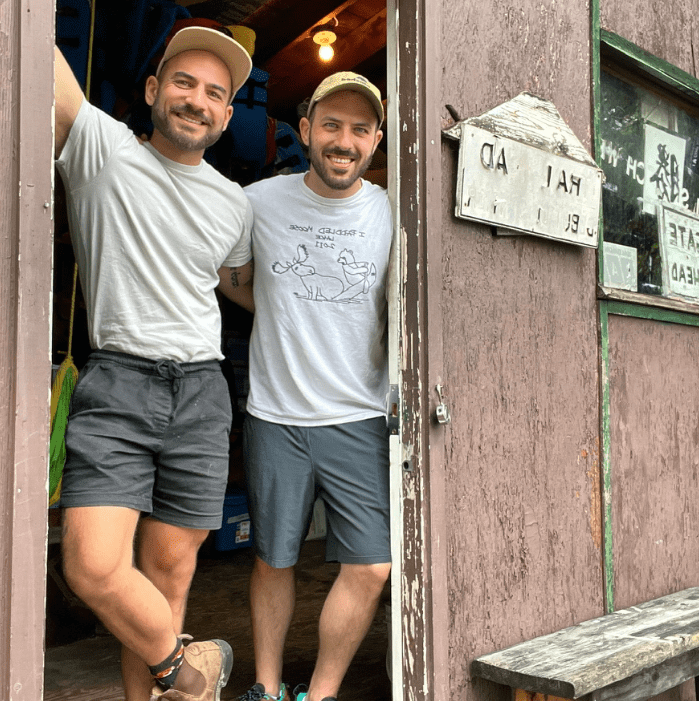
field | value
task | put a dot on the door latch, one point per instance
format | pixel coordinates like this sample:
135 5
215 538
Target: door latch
392 415
441 413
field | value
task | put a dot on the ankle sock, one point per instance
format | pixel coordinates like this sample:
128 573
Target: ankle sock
166 672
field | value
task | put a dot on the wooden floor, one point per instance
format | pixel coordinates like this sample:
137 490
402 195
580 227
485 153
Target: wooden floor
88 669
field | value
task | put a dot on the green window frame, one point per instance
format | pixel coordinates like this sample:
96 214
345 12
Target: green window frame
643 103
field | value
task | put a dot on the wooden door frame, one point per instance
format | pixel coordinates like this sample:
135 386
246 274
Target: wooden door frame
420 583
25 295
26 288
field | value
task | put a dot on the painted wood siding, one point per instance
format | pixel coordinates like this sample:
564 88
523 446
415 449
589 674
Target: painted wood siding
8 323
653 408
654 435
26 96
523 518
668 30
655 464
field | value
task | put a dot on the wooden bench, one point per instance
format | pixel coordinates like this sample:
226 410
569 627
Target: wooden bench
628 655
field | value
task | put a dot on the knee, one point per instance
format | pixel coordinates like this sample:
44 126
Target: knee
267 573
371 578
177 561
378 575
169 552
170 566
91 576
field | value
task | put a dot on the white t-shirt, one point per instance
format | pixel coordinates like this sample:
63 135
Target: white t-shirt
149 235
318 345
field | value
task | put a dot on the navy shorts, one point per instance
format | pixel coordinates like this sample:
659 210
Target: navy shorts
346 465
151 436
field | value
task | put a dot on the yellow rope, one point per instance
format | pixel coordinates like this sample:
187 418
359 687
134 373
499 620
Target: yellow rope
72 312
67 374
88 81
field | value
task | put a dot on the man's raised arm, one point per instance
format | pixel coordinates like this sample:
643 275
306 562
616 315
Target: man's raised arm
69 97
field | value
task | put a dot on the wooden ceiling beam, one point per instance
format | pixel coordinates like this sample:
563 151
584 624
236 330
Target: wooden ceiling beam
296 71
281 23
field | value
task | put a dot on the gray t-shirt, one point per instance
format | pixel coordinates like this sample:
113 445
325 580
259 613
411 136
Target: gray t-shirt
149 235
318 345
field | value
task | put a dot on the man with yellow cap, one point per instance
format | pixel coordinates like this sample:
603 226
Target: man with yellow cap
316 424
155 230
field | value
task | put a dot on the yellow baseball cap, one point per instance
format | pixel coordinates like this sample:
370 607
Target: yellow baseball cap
236 58
346 80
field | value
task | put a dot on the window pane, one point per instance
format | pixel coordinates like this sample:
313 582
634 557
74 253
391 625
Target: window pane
650 157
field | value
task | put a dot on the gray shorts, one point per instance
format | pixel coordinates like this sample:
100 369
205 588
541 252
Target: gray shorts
346 465
151 436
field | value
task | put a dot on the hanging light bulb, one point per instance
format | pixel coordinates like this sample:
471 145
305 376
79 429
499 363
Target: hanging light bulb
325 37
326 52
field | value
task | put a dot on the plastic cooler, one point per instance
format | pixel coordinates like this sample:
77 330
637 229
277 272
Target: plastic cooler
236 527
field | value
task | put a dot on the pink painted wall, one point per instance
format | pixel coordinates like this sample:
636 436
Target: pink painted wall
668 30
655 466
653 405
520 360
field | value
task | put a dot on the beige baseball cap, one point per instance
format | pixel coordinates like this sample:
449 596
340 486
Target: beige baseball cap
219 44
346 80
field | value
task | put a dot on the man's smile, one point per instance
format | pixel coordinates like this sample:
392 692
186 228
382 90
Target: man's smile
340 160
187 116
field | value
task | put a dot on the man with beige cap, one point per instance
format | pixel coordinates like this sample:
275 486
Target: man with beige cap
316 424
155 230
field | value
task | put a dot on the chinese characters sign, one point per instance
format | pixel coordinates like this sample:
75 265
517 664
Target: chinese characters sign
664 159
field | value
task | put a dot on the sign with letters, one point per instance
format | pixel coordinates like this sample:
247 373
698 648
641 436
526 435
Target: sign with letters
679 250
515 171
664 154
620 266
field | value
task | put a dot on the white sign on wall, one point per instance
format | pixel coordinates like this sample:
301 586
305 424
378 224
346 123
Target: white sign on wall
521 168
679 250
516 186
664 167
620 266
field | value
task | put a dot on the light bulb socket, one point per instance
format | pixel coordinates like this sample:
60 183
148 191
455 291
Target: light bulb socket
324 36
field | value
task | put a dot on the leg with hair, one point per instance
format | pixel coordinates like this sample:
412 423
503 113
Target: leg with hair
167 555
344 622
272 599
98 566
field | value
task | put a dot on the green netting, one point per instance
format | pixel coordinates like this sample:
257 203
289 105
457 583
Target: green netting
57 445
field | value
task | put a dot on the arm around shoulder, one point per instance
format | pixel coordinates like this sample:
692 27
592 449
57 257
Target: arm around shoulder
236 284
69 97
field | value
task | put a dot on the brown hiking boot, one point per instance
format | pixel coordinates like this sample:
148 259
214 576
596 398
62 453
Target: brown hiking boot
214 660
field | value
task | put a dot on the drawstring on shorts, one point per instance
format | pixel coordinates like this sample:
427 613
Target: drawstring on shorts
170 370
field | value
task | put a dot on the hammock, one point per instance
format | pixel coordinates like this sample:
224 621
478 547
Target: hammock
61 392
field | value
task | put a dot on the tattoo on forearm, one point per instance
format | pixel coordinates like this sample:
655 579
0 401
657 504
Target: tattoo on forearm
234 278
